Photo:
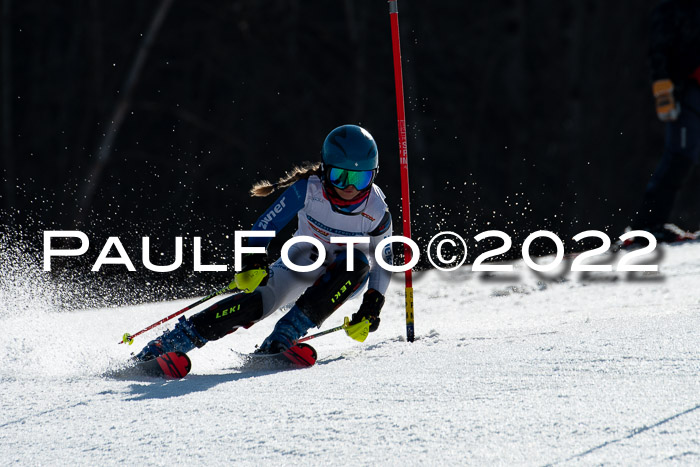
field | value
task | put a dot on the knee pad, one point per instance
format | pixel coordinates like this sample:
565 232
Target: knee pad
231 313
334 287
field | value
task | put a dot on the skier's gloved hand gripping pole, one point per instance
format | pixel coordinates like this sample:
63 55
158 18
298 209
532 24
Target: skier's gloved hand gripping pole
364 321
667 108
254 271
372 304
129 338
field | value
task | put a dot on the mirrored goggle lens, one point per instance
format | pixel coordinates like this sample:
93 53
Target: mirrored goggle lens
343 178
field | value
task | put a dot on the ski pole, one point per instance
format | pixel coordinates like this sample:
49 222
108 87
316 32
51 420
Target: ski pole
129 339
314 336
358 331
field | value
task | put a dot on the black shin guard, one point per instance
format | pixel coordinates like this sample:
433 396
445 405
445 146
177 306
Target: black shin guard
222 318
333 288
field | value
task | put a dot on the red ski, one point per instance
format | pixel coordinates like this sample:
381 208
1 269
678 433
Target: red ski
172 365
301 355
297 356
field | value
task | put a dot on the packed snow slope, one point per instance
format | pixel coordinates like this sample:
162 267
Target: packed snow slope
507 369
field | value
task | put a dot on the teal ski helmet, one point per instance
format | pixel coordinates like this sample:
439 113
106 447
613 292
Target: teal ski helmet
350 147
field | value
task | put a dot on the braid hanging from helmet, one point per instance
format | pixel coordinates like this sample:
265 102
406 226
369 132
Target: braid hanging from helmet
265 187
347 147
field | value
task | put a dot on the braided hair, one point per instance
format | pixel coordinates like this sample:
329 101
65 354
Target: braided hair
304 171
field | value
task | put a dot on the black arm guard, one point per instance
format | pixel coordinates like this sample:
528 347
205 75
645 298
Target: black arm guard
372 304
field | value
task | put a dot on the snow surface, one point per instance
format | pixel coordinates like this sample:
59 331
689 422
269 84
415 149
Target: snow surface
507 369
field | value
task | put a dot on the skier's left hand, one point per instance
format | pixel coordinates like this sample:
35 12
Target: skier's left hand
372 303
253 273
667 109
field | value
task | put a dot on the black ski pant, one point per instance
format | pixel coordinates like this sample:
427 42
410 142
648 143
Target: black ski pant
332 288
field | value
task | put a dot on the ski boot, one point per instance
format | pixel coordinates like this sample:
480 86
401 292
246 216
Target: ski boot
181 339
288 329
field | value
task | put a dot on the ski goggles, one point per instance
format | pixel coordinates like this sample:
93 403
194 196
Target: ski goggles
343 178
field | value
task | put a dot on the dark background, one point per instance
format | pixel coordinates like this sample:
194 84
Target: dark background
522 115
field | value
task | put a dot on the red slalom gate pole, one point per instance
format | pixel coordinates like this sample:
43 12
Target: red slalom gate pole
403 153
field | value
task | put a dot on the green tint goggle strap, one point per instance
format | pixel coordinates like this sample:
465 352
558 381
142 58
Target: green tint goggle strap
343 178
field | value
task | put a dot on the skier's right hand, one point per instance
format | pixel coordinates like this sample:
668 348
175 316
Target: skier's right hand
372 303
667 108
253 272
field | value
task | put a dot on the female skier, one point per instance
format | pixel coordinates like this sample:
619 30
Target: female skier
336 198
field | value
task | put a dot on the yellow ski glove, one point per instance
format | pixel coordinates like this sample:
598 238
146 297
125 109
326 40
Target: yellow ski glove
253 273
667 108
358 331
